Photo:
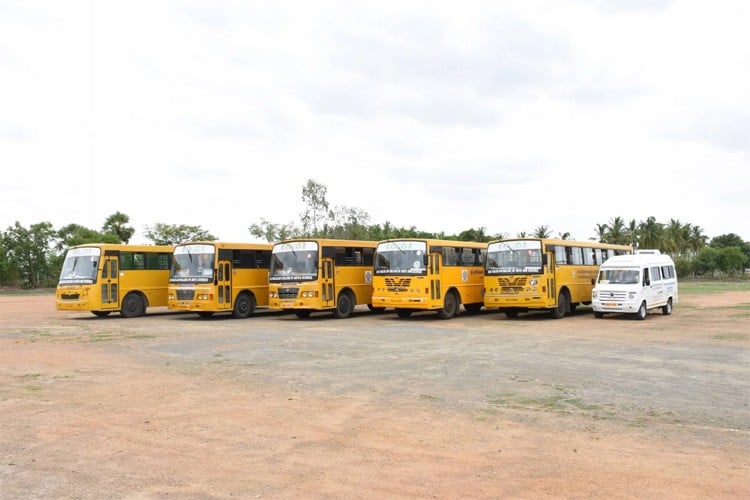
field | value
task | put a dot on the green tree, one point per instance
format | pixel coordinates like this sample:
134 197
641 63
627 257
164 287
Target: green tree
116 224
542 231
733 240
274 232
29 256
316 208
75 234
601 231
651 234
172 234
616 233
479 234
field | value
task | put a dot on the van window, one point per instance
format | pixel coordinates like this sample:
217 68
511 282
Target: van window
655 273
667 272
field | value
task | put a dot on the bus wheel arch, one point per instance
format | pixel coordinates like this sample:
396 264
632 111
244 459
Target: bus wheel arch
244 305
344 304
563 304
451 305
133 305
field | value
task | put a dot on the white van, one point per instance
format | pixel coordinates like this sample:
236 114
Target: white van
634 284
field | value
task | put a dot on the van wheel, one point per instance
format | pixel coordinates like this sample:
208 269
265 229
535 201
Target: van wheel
562 305
344 306
244 306
641 314
598 314
132 306
667 309
450 306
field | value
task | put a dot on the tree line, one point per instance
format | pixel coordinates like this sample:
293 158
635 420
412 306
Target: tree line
32 257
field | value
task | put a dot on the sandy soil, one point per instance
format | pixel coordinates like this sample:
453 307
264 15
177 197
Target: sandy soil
170 406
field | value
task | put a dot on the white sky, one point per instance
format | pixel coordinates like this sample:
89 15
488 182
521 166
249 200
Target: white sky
445 116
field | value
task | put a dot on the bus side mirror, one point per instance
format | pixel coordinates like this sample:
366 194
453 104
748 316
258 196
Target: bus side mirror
544 259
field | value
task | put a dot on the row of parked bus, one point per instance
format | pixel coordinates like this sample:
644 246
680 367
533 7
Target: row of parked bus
303 276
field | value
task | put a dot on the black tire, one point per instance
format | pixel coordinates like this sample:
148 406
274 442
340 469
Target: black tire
473 308
642 311
598 314
403 313
667 309
132 306
205 314
450 306
563 302
101 314
244 306
511 313
302 313
344 305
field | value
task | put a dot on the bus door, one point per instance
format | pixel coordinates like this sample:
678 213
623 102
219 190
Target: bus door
223 283
434 273
327 288
110 283
552 270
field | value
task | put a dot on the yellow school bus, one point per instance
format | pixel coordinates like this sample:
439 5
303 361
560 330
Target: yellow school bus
544 274
105 278
210 277
309 275
428 275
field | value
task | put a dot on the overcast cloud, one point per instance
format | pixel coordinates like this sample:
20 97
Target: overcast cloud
439 115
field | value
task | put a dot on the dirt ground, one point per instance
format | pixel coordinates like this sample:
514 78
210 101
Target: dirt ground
173 406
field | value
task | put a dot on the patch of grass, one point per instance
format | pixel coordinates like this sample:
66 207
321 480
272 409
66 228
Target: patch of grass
10 291
690 287
731 336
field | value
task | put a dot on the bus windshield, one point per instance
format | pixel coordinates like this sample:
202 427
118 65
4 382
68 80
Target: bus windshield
401 257
294 261
80 266
514 257
192 264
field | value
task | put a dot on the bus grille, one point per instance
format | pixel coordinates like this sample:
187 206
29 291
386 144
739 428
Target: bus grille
398 282
288 293
69 296
185 294
512 281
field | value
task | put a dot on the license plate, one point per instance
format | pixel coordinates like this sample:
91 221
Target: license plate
610 304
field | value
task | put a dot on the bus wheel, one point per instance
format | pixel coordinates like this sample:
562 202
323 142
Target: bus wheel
403 313
667 309
132 306
302 313
244 306
473 308
205 314
101 314
598 314
641 314
450 306
511 313
562 305
344 306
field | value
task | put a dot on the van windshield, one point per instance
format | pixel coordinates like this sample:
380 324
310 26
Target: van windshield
619 276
